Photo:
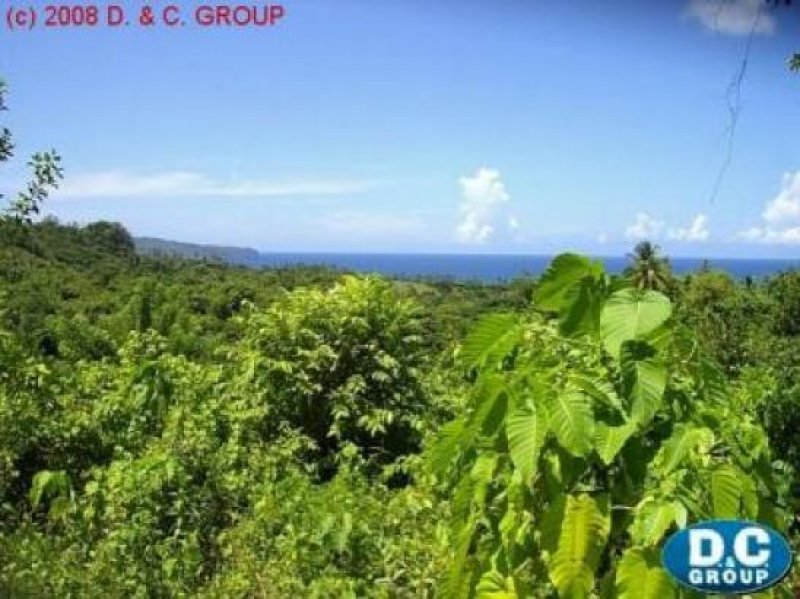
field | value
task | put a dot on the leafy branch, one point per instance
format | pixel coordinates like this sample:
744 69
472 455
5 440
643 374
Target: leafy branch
46 174
574 416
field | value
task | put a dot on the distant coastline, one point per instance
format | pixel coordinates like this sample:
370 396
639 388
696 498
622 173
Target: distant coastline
488 268
503 267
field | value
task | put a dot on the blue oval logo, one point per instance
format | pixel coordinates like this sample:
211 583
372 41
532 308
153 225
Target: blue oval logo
727 556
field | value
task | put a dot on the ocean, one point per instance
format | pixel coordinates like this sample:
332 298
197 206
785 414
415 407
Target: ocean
499 267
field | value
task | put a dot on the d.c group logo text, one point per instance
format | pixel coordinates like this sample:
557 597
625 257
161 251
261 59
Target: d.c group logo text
727 556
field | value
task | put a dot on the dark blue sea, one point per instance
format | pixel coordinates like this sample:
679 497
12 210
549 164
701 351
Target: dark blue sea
499 267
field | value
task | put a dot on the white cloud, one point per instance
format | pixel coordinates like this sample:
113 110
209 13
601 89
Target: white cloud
732 17
602 238
788 236
482 196
644 227
696 231
123 184
781 216
785 208
513 223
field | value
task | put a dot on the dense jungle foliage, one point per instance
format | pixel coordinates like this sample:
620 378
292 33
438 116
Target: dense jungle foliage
184 428
175 428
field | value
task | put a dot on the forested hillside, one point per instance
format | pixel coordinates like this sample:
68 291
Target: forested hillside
153 246
185 428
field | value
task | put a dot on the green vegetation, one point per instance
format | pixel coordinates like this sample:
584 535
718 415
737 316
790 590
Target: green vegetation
185 428
46 172
152 246
178 428
648 268
589 435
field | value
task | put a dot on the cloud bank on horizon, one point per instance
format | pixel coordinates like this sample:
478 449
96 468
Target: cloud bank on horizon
781 216
780 222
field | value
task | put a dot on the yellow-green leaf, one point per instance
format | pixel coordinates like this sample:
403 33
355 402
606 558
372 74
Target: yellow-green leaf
558 283
609 440
491 340
526 428
684 440
654 517
726 491
571 419
631 314
640 576
493 585
582 539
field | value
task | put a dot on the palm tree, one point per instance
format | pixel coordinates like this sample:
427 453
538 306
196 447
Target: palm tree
648 268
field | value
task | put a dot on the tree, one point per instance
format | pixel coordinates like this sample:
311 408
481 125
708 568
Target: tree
785 288
587 438
649 269
731 321
111 237
47 172
794 62
342 366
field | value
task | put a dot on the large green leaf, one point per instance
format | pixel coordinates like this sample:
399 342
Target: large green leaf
572 286
494 585
645 378
556 288
490 405
552 519
582 539
640 576
570 417
526 428
600 389
481 475
750 502
581 315
445 448
684 440
609 440
654 517
461 572
491 340
631 314
461 501
726 491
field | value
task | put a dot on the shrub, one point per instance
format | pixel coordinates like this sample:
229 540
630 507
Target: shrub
341 366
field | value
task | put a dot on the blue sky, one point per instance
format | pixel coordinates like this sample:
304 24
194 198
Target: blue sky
511 126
